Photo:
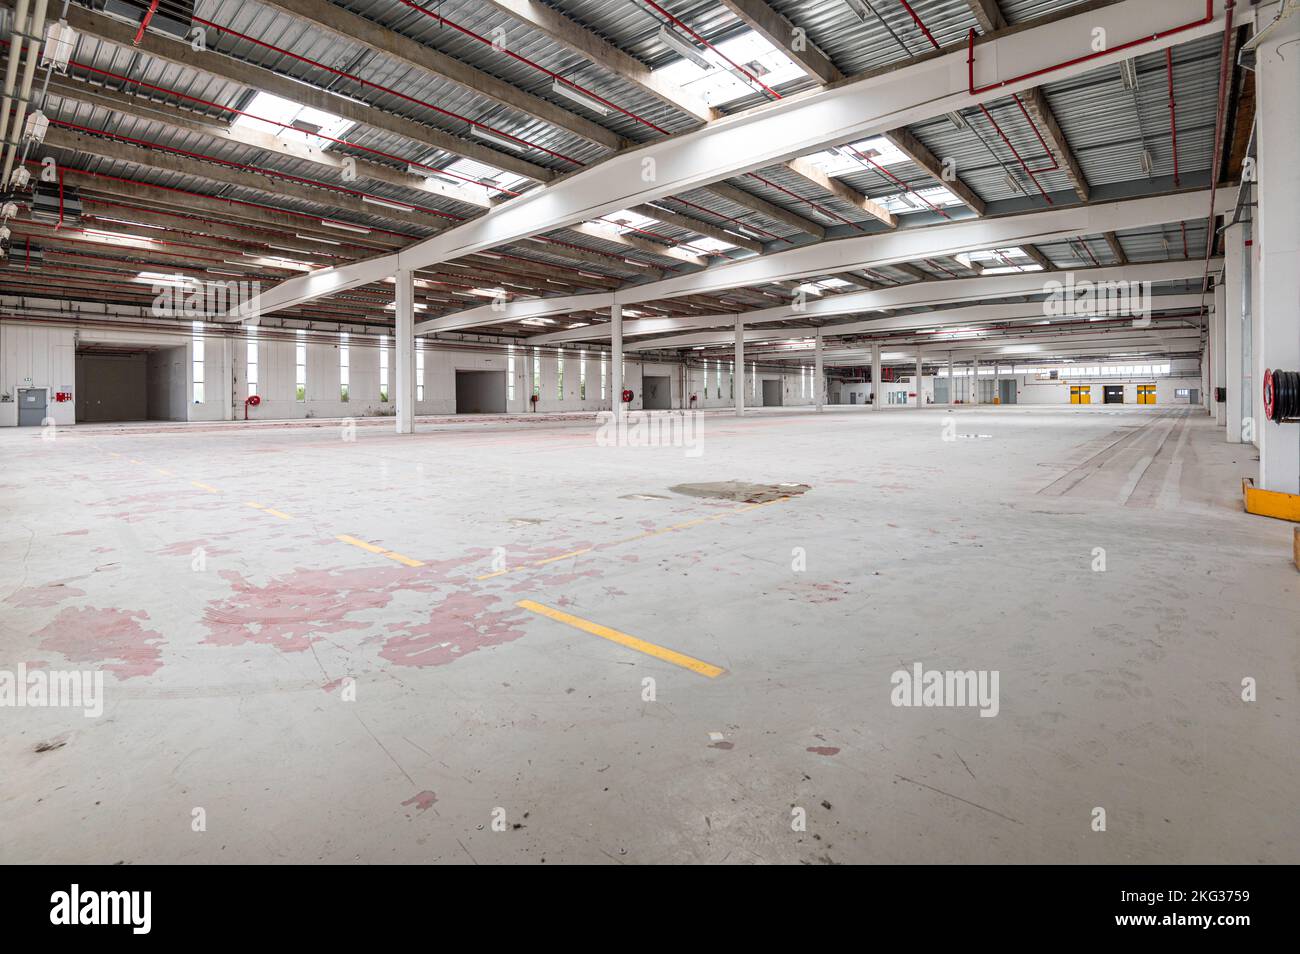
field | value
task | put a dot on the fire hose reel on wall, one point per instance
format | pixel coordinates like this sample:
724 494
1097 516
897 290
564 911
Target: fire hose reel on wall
1282 396
253 400
627 395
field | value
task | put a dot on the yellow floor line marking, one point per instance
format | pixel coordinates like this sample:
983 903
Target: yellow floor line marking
208 487
133 460
360 543
277 513
255 506
371 548
623 639
488 576
165 473
562 556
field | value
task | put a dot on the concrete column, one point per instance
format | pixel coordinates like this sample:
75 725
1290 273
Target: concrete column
875 376
952 382
228 376
1234 252
819 374
1218 350
740 367
920 391
1256 359
616 359
1277 75
404 334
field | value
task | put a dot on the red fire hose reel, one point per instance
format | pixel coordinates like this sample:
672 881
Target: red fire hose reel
627 395
253 400
1282 396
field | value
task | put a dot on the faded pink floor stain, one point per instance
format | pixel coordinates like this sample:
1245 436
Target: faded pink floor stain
823 750
51 594
422 801
86 634
460 624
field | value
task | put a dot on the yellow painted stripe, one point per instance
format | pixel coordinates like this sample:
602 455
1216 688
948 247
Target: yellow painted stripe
208 487
360 543
277 513
488 576
562 556
255 506
165 473
623 639
402 559
133 460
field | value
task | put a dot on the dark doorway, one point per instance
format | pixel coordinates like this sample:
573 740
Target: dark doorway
656 394
480 392
1114 394
771 394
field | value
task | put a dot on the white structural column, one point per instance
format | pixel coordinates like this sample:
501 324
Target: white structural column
1234 267
875 376
1277 68
404 332
228 377
920 390
819 373
616 359
1218 350
738 379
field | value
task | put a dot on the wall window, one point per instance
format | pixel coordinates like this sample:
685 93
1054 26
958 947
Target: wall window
717 379
383 367
753 379
300 369
510 374
343 366
582 375
731 379
604 371
250 362
537 372
196 359
419 371
559 375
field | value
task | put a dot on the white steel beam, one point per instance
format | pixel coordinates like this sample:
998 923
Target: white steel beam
794 126
865 251
895 296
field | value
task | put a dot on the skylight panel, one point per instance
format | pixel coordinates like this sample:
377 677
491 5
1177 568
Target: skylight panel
268 113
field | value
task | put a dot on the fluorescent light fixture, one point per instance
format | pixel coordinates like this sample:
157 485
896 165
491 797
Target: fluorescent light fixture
1128 74
561 88
222 271
385 203
683 47
313 238
487 135
344 226
1144 157
538 321
860 8
113 238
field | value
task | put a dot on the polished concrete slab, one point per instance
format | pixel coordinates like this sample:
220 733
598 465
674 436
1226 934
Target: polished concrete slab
313 647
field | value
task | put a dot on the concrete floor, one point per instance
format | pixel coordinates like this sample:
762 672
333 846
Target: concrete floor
1118 689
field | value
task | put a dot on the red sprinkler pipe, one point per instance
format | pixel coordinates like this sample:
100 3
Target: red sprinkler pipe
924 29
1034 74
144 24
1024 165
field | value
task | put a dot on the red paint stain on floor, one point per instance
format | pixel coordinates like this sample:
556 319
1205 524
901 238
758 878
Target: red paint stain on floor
460 624
823 750
110 637
51 594
422 801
